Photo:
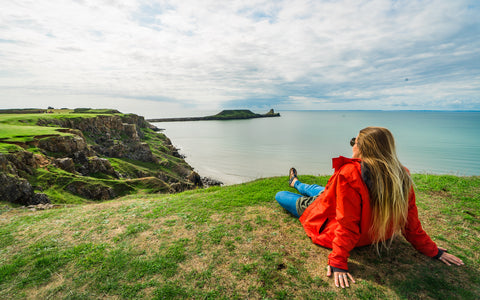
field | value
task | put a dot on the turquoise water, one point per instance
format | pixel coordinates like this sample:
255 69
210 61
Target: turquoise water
243 150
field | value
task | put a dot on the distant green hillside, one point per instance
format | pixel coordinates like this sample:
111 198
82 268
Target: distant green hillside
234 114
62 111
95 111
23 111
237 114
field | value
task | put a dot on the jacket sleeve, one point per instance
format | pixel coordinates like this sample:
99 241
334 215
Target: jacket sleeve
414 232
347 233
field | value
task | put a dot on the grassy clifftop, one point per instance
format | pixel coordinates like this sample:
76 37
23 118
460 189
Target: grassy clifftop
230 242
19 126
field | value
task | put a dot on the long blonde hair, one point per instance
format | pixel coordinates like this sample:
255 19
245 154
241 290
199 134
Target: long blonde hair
388 181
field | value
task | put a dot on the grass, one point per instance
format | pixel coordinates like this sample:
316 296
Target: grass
32 119
22 128
18 129
230 242
24 133
56 182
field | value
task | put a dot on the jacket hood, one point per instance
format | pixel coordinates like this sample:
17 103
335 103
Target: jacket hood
340 161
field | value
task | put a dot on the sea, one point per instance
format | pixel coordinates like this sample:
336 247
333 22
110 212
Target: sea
237 151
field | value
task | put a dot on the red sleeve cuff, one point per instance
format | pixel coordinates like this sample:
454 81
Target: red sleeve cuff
338 265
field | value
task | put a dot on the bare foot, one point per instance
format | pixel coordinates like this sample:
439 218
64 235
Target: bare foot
293 177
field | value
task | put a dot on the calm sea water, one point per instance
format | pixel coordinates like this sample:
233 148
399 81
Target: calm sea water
243 150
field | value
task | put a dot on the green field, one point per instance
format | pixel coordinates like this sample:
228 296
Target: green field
22 128
24 133
232 242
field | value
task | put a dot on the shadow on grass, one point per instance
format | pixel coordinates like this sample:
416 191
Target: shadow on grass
412 275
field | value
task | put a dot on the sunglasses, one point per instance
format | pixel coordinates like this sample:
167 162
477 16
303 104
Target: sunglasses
353 141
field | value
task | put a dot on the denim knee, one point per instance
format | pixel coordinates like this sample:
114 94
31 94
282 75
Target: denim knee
279 195
288 201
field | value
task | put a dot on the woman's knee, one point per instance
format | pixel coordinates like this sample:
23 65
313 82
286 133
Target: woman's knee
281 196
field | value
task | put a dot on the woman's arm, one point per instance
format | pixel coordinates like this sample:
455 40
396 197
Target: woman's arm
347 232
420 240
414 232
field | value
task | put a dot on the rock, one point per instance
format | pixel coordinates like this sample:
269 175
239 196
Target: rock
130 130
67 145
86 165
97 126
25 161
112 149
41 161
21 161
141 152
139 121
18 190
114 136
5 165
174 152
178 187
154 128
65 164
15 189
207 182
100 165
39 198
80 158
195 179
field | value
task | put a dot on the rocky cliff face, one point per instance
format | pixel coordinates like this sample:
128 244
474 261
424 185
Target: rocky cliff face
109 136
14 187
112 136
87 151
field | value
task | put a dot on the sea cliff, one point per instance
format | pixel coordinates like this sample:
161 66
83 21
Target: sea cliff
82 157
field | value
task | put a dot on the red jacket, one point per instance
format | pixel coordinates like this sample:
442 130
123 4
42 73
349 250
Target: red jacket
340 218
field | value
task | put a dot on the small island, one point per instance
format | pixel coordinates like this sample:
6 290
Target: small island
238 114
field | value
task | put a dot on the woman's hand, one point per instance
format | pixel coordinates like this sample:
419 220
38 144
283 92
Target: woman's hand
341 278
450 259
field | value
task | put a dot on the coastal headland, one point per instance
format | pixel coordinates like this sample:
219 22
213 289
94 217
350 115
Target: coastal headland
237 114
76 156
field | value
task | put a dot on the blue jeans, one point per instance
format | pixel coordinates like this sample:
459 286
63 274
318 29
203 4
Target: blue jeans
288 200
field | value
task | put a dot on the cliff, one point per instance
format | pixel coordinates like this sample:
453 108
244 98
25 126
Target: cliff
87 157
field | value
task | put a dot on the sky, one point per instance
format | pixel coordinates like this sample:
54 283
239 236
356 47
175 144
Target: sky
164 58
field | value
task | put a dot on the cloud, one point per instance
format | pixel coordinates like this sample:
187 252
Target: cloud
288 54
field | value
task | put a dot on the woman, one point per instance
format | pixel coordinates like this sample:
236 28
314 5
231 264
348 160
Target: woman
368 200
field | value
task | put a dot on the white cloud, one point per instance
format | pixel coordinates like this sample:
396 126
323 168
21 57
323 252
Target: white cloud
213 53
